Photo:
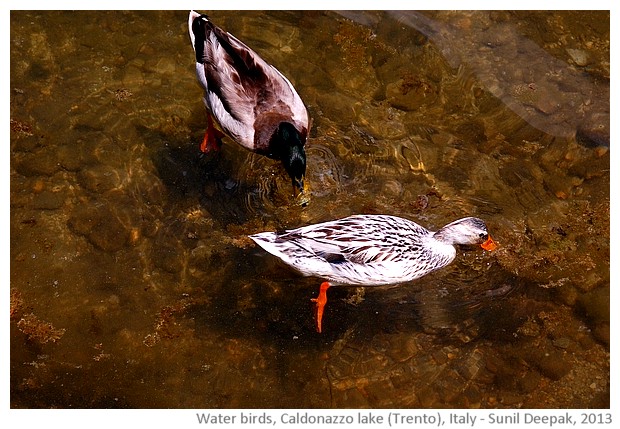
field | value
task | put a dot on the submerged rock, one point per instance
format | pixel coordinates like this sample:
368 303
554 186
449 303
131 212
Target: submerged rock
100 225
579 56
40 163
48 200
99 179
595 304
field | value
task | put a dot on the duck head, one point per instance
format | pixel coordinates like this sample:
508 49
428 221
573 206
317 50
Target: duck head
290 150
468 231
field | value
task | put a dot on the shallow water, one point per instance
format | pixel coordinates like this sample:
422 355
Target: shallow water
133 282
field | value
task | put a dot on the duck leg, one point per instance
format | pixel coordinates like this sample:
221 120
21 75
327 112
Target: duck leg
212 141
321 300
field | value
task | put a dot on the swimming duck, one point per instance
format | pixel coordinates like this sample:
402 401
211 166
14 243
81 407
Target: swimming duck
371 250
250 100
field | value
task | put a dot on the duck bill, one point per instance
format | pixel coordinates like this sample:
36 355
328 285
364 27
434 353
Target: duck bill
489 245
299 187
301 191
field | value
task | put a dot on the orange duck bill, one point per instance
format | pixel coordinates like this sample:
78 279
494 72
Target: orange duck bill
489 245
321 300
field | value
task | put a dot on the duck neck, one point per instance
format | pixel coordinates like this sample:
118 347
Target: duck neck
442 236
441 246
288 147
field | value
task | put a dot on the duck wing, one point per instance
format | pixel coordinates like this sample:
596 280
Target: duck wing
360 240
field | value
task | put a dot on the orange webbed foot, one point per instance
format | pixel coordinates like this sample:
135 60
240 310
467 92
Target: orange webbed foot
212 141
321 300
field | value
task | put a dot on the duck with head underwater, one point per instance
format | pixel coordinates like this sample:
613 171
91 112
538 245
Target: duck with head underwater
249 99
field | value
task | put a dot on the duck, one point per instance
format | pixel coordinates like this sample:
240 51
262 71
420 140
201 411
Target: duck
370 250
250 100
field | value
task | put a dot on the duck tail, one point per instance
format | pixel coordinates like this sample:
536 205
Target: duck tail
267 240
197 31
190 23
